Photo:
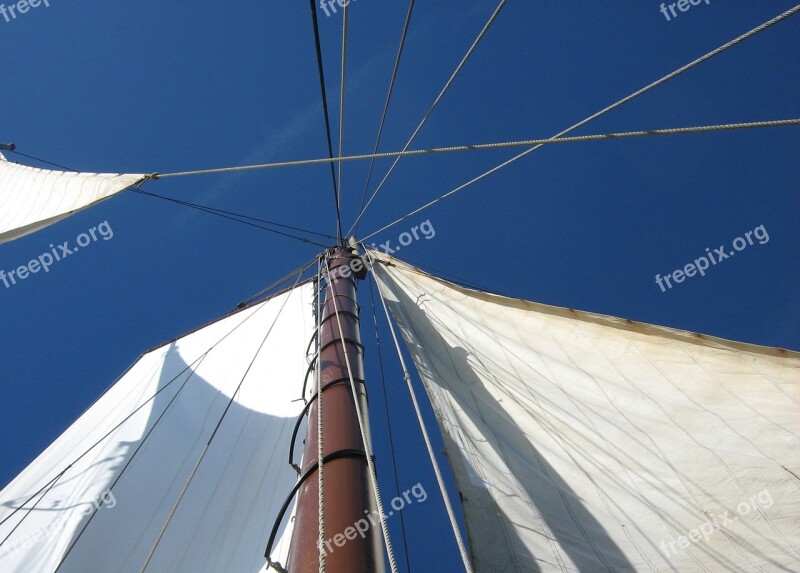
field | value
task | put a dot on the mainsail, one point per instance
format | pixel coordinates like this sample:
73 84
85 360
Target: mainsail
34 198
181 465
587 443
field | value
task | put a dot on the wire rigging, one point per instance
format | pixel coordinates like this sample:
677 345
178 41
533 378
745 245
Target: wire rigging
323 90
207 446
43 161
424 429
446 87
341 121
603 111
51 483
296 272
238 218
386 106
501 145
388 418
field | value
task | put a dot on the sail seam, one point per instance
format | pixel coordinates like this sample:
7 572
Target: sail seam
234 394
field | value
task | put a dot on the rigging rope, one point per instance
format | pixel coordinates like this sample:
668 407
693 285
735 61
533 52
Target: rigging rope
603 111
43 161
497 145
321 73
386 106
129 461
341 121
434 462
388 419
232 216
373 477
446 87
320 448
298 271
51 483
213 435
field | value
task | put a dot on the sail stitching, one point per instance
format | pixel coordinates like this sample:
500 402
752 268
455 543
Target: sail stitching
728 536
676 472
502 453
669 527
552 379
590 423
735 478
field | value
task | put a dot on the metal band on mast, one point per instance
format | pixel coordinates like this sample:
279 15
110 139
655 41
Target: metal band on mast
349 503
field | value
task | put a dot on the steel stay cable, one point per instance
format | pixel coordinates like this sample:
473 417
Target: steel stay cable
406 26
423 427
446 87
341 122
217 211
489 146
321 73
603 111
388 418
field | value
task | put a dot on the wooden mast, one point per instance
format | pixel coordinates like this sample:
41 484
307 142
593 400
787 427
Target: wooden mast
352 541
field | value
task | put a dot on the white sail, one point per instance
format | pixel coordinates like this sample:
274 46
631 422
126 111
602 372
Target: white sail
587 443
32 198
136 483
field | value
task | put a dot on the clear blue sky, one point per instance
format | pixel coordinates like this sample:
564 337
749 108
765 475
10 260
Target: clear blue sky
144 87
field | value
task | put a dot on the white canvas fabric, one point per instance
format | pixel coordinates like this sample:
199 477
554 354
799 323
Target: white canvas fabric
33 198
107 510
589 443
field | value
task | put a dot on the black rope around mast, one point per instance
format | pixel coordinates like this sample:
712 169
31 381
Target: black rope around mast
321 72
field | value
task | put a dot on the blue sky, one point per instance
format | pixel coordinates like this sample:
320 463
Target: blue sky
144 87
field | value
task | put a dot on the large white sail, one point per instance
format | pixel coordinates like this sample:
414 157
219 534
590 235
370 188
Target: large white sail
132 480
589 443
32 198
